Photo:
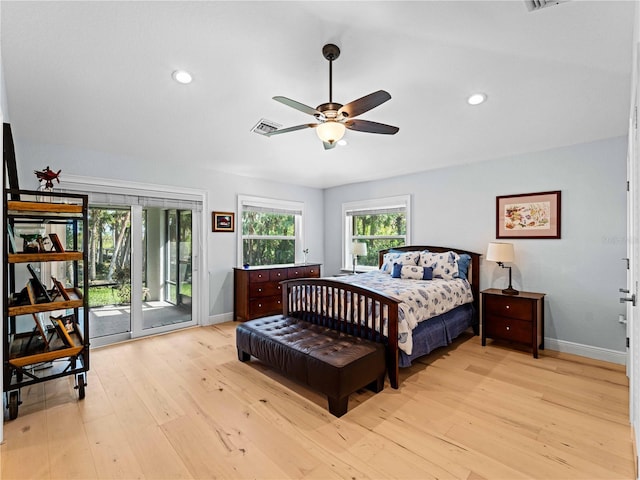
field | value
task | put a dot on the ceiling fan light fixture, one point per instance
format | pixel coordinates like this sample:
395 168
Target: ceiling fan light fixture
330 131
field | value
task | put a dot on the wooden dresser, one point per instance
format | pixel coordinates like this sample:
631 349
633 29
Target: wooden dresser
516 318
257 291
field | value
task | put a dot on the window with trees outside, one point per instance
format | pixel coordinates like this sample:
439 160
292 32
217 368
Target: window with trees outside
380 223
271 231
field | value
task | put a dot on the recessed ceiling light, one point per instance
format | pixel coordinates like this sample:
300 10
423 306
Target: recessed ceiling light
342 142
182 76
477 99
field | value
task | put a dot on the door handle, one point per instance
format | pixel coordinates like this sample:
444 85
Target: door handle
631 299
623 290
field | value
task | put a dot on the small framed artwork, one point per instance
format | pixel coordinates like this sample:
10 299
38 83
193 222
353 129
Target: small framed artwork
223 221
528 215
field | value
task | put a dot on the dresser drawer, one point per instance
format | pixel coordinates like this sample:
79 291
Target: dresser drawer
518 308
261 307
509 329
304 272
263 289
312 272
258 276
278 274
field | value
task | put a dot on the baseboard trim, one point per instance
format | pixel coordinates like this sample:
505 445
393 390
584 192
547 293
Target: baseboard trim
220 318
597 353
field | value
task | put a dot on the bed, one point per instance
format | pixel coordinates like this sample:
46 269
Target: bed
390 305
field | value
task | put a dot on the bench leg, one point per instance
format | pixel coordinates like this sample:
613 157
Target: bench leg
377 385
243 356
338 406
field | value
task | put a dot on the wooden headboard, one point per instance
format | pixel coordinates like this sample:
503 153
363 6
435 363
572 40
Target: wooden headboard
473 275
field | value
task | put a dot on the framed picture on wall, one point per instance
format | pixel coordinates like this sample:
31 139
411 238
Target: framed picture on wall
528 215
223 221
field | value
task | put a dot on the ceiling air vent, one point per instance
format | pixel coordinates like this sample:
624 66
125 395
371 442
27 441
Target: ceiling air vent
265 126
533 5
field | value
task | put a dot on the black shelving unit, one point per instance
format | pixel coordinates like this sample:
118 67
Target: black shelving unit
45 326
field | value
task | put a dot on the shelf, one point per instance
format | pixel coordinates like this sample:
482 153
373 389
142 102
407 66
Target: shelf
68 256
56 350
60 303
16 207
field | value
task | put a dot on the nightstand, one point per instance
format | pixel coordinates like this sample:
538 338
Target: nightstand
515 318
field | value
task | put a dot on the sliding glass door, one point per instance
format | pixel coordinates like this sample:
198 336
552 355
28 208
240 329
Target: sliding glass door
167 275
140 270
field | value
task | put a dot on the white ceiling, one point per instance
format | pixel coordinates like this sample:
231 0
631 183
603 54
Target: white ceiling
97 75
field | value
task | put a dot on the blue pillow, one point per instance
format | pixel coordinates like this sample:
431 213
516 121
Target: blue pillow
397 270
463 265
428 273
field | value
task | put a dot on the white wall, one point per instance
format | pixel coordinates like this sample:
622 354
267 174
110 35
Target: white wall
222 194
580 273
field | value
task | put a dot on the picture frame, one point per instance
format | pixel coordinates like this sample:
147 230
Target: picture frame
223 221
39 288
529 215
56 244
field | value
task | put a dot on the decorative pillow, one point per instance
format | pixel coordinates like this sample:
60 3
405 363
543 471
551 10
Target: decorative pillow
463 266
444 265
403 258
412 272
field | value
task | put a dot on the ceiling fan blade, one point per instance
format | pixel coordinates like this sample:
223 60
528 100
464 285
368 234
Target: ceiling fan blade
371 127
329 146
291 129
364 104
298 106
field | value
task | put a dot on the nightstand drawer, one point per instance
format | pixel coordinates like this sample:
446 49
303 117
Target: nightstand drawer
509 329
504 306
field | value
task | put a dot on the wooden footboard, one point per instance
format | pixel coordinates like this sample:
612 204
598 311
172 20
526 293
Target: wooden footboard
346 308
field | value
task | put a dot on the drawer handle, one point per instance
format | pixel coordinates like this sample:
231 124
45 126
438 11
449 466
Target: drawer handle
507 307
508 328
259 305
279 287
278 274
259 275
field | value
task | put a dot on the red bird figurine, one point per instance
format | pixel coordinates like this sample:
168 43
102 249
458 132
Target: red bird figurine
47 175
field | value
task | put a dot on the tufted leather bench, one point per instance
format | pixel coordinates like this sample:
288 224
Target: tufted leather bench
331 362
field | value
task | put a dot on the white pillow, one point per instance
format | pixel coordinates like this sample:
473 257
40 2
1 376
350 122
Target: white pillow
412 272
444 265
403 258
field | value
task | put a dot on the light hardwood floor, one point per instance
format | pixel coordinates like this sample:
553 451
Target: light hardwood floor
182 406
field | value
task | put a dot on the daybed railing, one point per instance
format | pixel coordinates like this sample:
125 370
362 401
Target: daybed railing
346 308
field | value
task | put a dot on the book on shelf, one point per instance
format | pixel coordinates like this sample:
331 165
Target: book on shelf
56 244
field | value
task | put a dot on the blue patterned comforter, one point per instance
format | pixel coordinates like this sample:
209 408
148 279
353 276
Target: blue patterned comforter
421 299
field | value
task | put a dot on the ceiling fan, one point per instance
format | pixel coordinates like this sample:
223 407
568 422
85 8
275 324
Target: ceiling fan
333 118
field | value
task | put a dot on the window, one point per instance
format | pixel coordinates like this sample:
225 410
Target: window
271 231
381 223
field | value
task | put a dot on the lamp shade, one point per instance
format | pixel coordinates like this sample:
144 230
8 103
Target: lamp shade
500 252
330 131
359 249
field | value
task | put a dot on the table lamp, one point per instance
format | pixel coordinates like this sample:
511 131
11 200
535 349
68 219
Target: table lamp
500 253
358 249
